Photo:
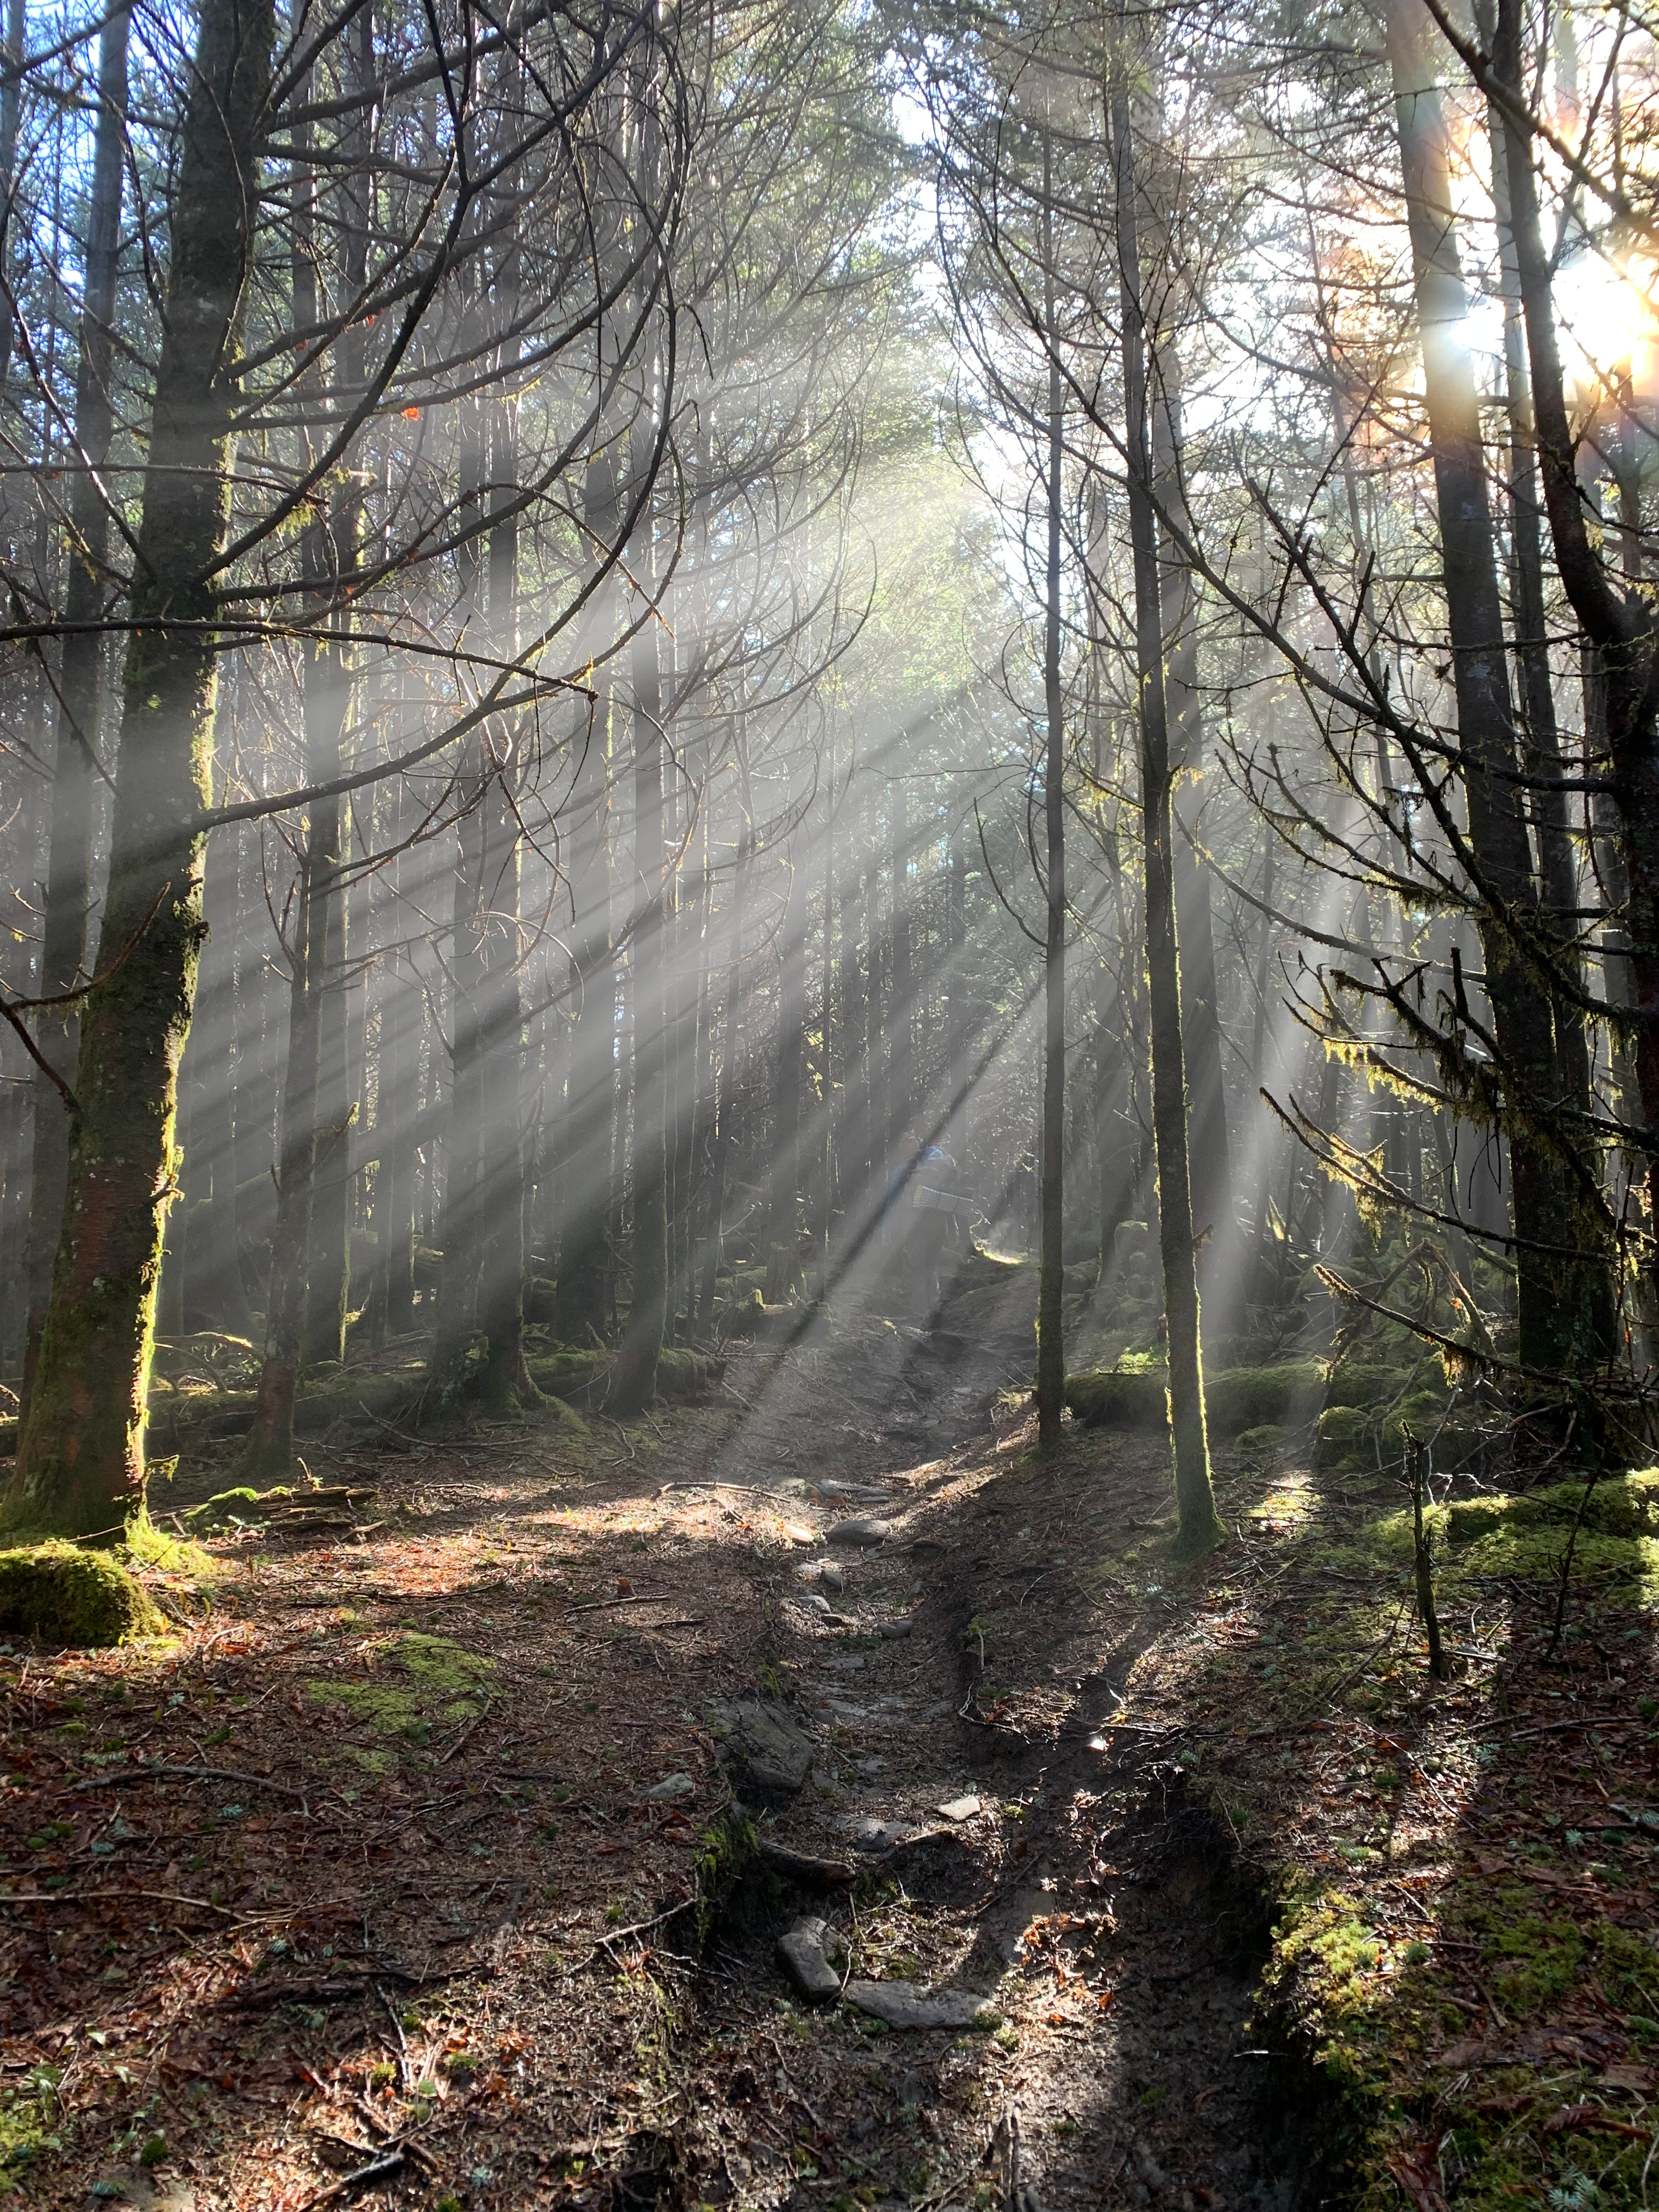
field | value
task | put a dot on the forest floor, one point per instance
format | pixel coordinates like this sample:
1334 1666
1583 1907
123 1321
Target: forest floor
402 1874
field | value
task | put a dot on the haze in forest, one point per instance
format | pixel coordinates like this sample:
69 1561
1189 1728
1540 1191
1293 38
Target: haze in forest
666 666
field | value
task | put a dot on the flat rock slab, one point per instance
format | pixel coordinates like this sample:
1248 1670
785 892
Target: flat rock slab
909 2004
958 1809
670 1787
805 1952
864 1535
764 1745
876 1837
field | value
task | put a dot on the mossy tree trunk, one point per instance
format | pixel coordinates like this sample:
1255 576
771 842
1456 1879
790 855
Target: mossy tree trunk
1199 1527
80 685
81 1459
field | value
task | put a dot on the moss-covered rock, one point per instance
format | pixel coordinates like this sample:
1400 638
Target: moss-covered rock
1236 1400
1377 1434
1527 1537
683 1375
1240 1398
538 1296
65 1595
744 1315
1115 1398
1261 1441
566 1373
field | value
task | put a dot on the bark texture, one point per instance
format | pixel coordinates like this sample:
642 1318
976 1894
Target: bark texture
80 1457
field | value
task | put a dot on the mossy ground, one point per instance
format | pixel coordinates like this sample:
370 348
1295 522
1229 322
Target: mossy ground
418 1682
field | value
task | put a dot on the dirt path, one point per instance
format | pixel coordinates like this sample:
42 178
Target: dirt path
408 1873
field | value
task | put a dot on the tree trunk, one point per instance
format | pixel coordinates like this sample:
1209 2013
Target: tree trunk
1619 624
1565 1305
901 995
1199 1527
81 1461
725 1103
1201 1013
268 1455
506 1380
81 679
783 1263
1051 1273
328 1254
640 1347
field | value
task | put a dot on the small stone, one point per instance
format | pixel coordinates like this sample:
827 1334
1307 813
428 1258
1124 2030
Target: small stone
865 1534
895 1628
958 1809
832 1577
805 1953
815 1603
799 1534
909 2004
671 1787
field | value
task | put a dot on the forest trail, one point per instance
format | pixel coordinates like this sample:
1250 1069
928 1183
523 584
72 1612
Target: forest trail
430 1898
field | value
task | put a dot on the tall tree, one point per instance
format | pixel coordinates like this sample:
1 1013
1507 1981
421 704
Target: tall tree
80 674
1199 1527
80 1461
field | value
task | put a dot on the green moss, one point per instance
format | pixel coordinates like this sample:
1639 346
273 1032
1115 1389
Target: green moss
66 1594
1323 1976
433 1680
227 1508
1617 1541
1532 1959
727 1859
1628 1959
30 2121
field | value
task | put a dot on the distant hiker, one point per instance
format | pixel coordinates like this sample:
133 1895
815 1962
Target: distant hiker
921 1212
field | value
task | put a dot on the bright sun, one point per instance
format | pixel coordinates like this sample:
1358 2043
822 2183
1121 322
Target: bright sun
1611 313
